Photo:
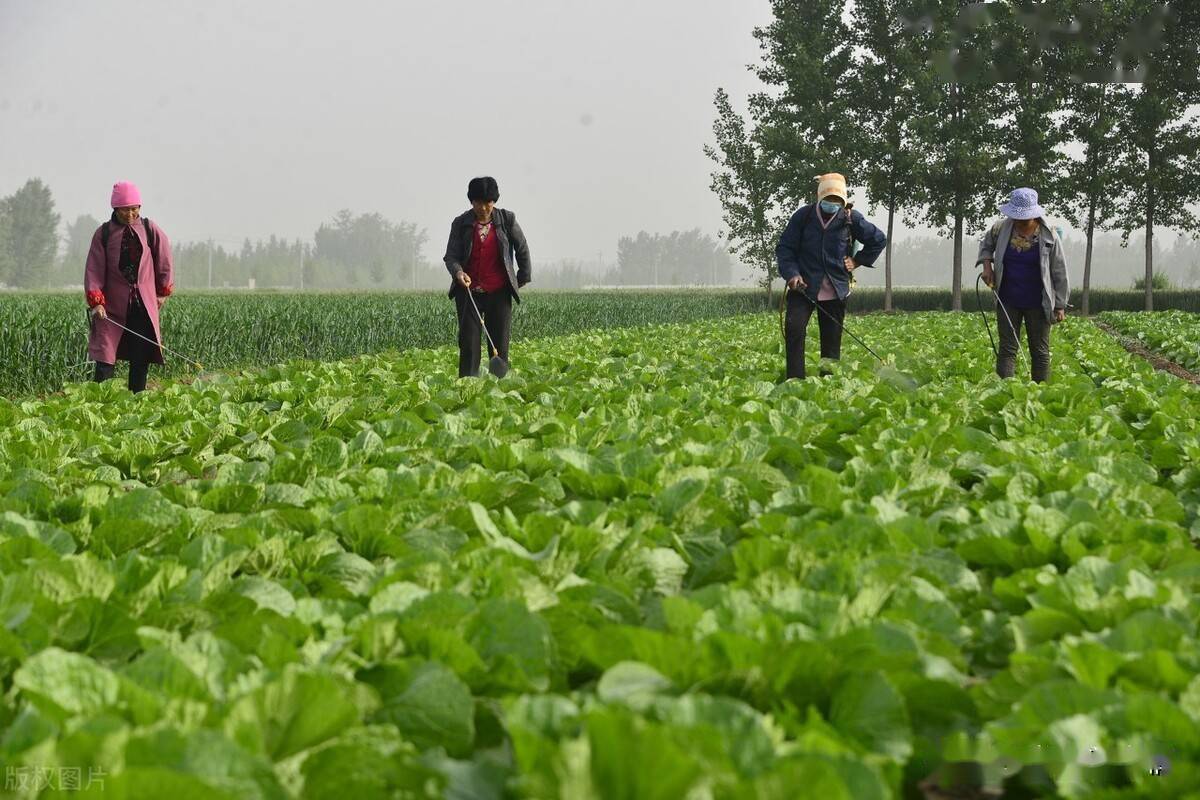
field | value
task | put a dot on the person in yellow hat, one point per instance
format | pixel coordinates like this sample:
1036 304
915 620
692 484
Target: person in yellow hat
816 258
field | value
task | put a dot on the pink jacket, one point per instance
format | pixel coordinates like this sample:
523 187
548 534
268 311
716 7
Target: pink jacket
104 285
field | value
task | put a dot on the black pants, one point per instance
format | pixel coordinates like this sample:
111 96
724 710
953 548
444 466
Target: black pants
799 310
496 308
138 352
138 370
1038 331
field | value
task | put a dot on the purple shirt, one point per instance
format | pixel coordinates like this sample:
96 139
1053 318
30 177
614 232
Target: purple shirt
1021 283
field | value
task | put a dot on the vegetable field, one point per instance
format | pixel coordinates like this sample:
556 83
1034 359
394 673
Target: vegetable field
639 567
1172 334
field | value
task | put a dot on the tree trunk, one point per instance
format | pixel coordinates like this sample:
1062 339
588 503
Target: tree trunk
956 283
887 259
1092 200
1150 176
956 300
768 278
1149 262
1087 258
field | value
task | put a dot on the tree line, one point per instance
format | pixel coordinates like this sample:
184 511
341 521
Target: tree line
676 259
921 261
351 251
936 110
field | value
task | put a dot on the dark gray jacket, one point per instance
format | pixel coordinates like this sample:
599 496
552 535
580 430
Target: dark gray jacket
512 245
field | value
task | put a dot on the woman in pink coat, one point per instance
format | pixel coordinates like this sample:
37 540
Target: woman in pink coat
128 277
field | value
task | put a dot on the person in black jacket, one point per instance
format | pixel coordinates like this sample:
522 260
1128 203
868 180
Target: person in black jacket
488 256
816 258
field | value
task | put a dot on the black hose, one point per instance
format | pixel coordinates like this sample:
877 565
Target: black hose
983 316
838 322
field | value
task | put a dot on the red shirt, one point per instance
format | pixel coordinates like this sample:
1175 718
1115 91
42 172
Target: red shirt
486 265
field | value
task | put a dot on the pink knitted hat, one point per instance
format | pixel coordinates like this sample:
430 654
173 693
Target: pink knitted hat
125 194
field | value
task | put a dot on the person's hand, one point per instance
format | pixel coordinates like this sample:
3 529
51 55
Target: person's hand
161 302
989 274
797 284
1060 314
850 264
98 312
464 280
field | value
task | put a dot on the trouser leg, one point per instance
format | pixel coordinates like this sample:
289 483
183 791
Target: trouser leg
1037 329
498 319
830 320
1010 341
795 324
138 370
469 332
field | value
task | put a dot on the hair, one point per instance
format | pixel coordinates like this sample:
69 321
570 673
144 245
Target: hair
485 189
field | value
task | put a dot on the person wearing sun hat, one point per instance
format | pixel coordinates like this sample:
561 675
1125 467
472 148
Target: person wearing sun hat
816 258
1022 259
128 277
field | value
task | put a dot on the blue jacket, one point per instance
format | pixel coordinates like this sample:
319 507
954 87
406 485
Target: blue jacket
807 250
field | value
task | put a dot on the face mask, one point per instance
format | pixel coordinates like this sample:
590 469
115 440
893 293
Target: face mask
830 208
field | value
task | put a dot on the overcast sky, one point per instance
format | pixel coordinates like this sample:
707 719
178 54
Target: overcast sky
244 119
250 118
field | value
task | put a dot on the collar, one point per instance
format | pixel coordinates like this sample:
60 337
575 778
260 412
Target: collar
468 216
842 215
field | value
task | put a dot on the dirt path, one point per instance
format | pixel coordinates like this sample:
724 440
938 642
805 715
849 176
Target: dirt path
1140 350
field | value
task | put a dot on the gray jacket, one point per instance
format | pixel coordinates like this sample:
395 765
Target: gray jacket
1056 290
512 245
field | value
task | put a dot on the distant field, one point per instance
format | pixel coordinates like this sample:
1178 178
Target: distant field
43 337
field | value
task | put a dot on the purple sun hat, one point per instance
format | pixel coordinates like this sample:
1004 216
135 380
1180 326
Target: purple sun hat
1023 204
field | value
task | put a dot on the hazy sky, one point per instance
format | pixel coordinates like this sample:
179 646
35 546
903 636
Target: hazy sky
250 118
